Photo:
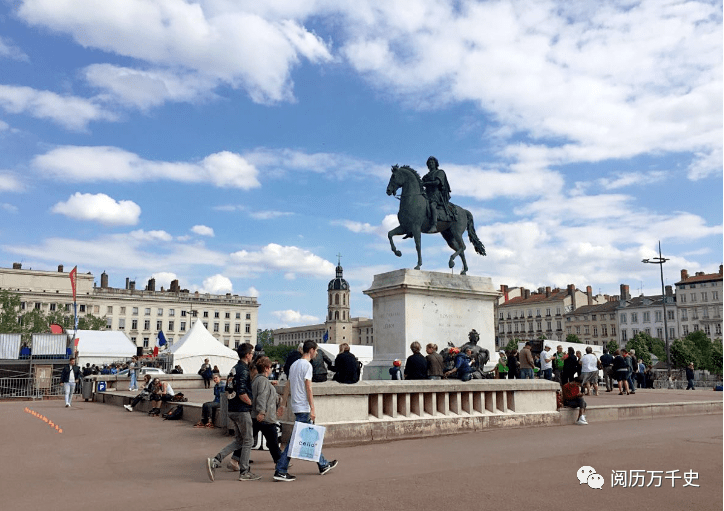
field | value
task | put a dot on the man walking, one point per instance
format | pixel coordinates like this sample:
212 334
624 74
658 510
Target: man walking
526 362
68 376
299 391
240 406
589 372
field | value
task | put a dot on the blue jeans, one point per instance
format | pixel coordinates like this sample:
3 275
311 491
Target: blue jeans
134 381
526 373
547 374
283 463
68 389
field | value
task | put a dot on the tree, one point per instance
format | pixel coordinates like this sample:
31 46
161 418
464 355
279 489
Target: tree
683 352
91 322
612 346
264 337
278 353
9 313
716 358
641 343
572 338
512 345
658 348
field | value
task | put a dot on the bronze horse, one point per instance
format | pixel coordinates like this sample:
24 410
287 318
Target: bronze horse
414 218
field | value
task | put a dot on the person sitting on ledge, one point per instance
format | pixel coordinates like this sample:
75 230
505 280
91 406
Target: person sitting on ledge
145 393
571 397
395 373
463 369
209 408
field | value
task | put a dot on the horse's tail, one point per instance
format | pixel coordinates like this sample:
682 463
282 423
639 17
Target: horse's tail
479 247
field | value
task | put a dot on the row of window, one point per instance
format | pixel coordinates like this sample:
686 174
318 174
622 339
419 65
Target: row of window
587 331
681 297
172 326
95 309
646 316
521 313
659 333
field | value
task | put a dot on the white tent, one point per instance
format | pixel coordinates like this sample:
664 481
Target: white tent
198 344
103 347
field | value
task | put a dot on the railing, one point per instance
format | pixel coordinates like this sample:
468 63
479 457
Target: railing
27 387
440 404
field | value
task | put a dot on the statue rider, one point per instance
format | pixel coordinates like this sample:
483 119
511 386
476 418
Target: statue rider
438 191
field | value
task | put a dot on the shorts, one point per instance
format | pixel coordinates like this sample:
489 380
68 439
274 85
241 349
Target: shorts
621 375
591 378
576 402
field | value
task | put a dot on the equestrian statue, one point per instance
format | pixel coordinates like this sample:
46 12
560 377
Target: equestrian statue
425 207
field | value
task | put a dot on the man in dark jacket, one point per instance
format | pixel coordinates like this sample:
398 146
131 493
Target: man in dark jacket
291 358
416 365
240 405
346 366
320 363
68 376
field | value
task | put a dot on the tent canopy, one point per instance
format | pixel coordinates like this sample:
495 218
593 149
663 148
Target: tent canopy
198 344
103 347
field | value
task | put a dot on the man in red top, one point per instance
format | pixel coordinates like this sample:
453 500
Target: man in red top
571 394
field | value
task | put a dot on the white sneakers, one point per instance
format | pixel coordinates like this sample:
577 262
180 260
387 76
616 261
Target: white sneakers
582 421
128 407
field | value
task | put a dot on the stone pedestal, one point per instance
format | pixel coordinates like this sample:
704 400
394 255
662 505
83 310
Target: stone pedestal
413 305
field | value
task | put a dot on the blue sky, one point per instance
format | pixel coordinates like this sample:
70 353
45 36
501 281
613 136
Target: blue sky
239 146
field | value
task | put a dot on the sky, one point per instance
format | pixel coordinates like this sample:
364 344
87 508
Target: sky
240 146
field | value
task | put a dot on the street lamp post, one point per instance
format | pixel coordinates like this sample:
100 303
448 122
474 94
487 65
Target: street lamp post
660 261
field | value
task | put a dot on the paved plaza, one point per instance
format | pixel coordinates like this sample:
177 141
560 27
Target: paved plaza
109 458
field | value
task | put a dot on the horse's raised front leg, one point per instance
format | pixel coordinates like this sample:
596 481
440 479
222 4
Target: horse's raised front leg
416 234
397 231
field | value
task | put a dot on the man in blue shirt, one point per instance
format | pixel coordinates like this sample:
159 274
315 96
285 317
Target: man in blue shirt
463 369
209 408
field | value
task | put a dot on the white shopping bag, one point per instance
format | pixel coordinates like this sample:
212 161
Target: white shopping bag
306 441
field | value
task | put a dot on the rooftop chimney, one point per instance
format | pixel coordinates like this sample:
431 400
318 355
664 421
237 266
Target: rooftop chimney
17 266
175 288
589 294
60 268
684 274
526 293
127 281
548 291
721 269
625 295
132 285
104 280
572 293
151 284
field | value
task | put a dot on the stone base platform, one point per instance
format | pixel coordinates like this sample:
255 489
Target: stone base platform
379 411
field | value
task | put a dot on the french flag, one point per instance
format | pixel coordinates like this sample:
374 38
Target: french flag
160 343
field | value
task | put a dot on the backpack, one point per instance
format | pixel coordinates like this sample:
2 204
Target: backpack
174 414
179 397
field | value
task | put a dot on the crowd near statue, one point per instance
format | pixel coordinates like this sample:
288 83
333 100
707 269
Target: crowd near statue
465 363
425 207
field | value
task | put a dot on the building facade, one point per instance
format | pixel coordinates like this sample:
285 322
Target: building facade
646 314
140 314
526 315
699 303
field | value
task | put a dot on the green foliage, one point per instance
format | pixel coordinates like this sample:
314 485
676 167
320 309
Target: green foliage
683 352
716 358
278 353
512 345
37 322
612 346
641 343
264 337
572 338
10 303
658 348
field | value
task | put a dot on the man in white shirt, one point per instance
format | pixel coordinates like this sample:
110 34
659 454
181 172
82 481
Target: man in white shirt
299 390
546 363
589 372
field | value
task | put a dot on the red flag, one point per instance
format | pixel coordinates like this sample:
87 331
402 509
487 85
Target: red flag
75 342
56 329
155 351
72 276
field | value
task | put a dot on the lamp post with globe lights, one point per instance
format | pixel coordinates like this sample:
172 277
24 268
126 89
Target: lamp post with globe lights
660 261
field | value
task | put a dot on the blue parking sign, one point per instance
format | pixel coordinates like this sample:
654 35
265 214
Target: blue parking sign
101 386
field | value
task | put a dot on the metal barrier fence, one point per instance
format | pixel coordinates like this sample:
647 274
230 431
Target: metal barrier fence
27 387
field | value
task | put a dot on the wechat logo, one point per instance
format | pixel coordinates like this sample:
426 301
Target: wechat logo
587 475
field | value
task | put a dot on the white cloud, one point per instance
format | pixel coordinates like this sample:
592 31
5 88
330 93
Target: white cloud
146 89
9 51
99 208
203 230
291 317
217 285
103 163
71 112
252 291
623 180
144 236
269 215
9 182
10 208
287 259
219 41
